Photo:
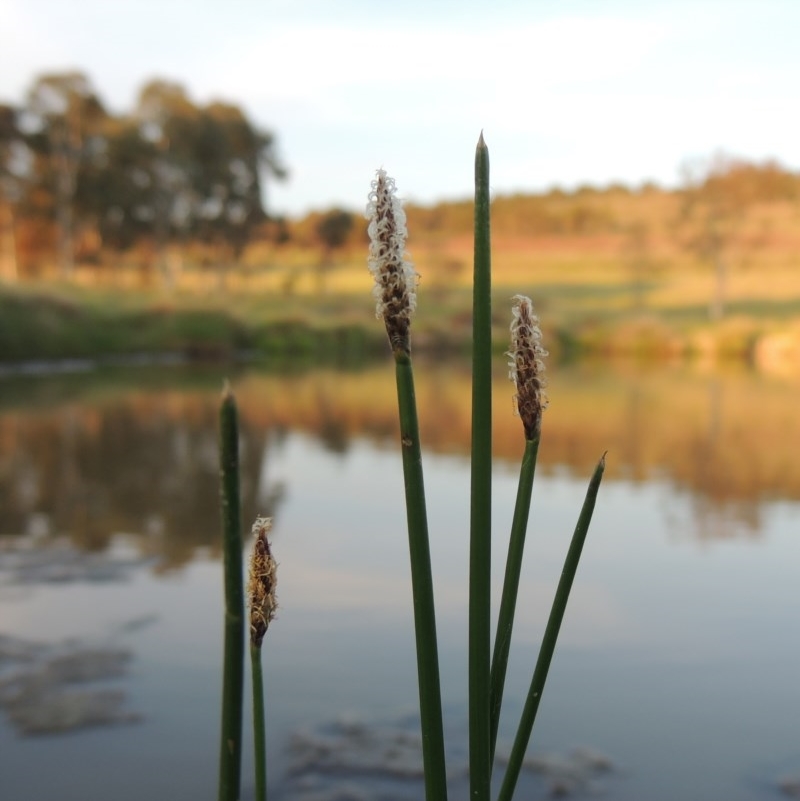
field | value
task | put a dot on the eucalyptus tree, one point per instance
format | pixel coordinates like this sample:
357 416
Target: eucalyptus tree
232 154
332 230
717 197
211 166
12 153
168 171
68 116
117 192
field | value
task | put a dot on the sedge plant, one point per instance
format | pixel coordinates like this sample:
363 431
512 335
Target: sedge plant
480 541
527 373
396 299
395 293
261 597
230 756
261 583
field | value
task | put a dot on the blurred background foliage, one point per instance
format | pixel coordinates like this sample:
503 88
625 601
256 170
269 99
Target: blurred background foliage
171 181
163 209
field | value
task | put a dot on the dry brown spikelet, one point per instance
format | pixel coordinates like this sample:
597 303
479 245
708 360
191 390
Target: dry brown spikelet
261 582
527 366
395 278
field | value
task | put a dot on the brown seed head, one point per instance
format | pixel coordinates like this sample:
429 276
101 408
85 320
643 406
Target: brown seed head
527 367
395 278
261 582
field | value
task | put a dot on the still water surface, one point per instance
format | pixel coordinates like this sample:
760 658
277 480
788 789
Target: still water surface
676 671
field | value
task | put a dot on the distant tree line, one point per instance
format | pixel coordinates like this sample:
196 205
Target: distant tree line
77 180
171 177
590 210
716 197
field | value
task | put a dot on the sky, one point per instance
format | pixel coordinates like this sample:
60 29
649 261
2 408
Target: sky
567 92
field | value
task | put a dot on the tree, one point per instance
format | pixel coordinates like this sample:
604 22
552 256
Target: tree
64 108
170 170
332 231
213 164
117 193
716 197
11 157
636 253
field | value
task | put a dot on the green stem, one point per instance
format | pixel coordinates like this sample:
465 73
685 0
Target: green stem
480 490
508 602
259 729
430 700
233 669
550 637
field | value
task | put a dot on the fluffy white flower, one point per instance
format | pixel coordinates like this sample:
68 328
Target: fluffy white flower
527 365
395 279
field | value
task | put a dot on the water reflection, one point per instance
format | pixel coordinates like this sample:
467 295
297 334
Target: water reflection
145 461
146 464
674 664
57 688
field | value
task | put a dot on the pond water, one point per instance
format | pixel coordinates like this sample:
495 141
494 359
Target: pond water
676 671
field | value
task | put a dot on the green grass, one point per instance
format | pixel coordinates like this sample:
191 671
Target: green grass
592 314
44 326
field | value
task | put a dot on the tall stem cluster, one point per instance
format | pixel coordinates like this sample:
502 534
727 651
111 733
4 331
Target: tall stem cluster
395 295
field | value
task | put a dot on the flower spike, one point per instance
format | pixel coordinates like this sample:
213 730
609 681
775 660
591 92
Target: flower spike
261 582
395 278
527 367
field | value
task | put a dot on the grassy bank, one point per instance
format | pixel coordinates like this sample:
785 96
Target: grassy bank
587 316
50 325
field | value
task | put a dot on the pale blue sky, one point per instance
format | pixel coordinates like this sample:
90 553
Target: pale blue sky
566 92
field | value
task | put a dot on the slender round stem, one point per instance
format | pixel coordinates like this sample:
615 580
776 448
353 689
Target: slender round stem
259 726
508 601
481 490
550 637
430 700
233 666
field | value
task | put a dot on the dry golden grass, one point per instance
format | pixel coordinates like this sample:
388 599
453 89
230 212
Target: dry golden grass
597 286
762 252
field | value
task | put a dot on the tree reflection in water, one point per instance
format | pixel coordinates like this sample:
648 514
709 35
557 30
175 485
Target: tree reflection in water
102 485
144 462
